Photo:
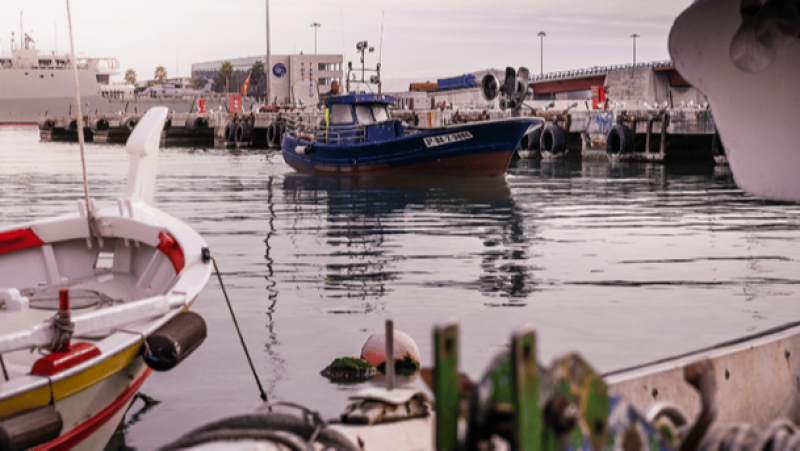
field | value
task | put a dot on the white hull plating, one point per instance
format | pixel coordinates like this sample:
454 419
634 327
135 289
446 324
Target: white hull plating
755 113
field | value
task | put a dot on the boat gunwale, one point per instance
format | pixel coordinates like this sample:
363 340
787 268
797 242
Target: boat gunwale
118 341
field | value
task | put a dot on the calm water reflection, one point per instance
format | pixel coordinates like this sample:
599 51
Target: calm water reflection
624 263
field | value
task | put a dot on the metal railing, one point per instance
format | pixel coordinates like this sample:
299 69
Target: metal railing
335 134
596 70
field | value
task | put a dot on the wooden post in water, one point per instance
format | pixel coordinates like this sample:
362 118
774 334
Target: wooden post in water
528 421
389 361
445 385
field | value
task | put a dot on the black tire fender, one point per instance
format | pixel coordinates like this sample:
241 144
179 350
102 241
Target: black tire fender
271 132
619 140
534 139
553 139
230 131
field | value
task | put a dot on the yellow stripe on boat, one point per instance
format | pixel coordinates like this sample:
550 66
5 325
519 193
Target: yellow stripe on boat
71 385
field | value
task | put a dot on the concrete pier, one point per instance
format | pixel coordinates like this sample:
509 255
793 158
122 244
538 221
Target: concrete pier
216 129
638 134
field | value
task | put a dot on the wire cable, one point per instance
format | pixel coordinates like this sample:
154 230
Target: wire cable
238 331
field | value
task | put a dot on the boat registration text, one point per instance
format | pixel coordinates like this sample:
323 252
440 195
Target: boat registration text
440 140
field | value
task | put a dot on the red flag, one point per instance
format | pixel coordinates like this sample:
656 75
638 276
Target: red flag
246 85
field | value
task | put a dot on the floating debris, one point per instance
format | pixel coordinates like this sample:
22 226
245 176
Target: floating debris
350 369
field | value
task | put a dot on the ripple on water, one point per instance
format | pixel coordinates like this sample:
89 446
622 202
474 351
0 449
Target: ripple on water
624 263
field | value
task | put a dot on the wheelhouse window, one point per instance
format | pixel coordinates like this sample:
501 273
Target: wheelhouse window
340 114
380 113
364 114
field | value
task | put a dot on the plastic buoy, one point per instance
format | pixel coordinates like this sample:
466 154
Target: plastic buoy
174 341
374 350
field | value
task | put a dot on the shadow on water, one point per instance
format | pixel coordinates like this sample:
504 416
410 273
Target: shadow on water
363 214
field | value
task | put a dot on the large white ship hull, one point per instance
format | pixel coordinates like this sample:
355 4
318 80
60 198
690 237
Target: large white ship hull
26 94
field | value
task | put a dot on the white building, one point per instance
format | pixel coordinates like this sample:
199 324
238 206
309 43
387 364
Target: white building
285 71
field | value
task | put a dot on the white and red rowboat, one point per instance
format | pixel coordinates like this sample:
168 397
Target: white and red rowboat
130 279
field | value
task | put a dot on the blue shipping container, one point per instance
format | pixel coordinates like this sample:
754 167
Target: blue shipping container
460 82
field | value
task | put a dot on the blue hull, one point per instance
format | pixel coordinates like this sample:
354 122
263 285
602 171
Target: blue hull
478 148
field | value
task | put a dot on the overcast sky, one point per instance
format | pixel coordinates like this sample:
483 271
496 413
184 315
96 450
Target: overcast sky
421 37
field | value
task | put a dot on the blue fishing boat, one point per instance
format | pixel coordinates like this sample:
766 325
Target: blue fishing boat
360 137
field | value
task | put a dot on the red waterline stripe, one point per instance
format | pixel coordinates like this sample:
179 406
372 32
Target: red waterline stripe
88 427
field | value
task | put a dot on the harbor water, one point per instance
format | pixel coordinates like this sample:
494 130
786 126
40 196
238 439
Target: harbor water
624 263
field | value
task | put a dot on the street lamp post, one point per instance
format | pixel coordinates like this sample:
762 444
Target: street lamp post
541 35
268 59
634 36
315 25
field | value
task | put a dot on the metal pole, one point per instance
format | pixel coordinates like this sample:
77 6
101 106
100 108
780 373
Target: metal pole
541 35
315 25
269 68
634 36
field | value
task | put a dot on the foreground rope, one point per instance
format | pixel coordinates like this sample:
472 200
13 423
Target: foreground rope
238 331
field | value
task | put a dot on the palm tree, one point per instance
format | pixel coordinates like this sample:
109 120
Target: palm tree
225 74
257 76
196 83
130 77
160 74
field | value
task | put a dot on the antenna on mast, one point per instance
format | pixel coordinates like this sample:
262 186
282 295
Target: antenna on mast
380 48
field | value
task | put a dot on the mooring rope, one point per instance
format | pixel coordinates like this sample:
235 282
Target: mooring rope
79 121
238 331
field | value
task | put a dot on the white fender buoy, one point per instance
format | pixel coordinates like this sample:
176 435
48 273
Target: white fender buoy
374 350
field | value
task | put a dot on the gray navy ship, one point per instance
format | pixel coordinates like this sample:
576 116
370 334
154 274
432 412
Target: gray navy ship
33 84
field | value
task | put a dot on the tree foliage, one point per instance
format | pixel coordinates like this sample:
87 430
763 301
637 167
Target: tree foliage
223 78
130 77
196 83
258 79
160 74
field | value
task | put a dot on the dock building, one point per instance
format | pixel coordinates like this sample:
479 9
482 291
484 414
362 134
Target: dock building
284 71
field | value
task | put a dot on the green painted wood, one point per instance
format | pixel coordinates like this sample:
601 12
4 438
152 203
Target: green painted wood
528 427
446 385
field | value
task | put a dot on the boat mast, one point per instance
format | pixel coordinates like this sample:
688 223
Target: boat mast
79 122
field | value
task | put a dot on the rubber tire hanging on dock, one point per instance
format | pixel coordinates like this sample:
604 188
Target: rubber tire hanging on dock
533 139
553 140
99 124
129 123
274 133
619 140
243 133
72 126
230 131
198 123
